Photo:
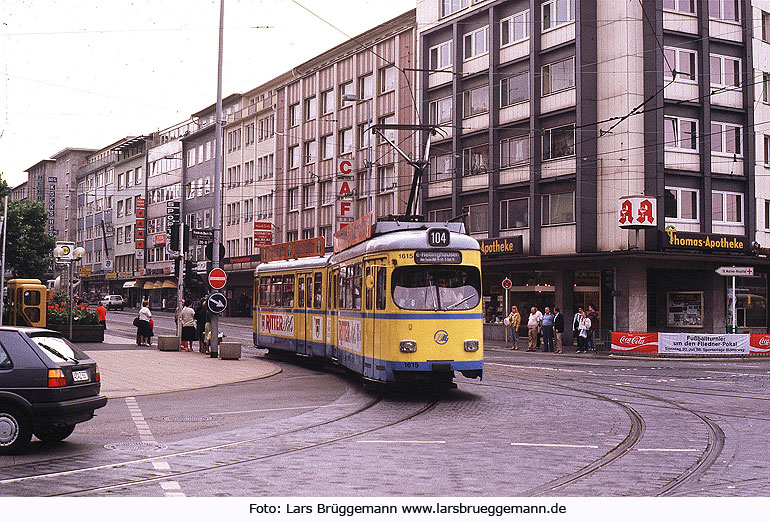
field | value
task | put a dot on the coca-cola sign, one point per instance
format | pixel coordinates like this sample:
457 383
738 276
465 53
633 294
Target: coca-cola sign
646 342
759 343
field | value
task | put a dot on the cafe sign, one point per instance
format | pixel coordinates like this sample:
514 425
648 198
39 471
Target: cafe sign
704 242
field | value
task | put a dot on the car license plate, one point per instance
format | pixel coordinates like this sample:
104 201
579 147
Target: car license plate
80 376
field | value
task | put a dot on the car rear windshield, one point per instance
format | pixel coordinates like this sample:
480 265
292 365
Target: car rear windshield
58 349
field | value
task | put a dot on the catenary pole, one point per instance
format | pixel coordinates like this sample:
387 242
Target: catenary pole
217 179
2 268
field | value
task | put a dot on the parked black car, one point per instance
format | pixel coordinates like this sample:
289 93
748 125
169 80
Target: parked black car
47 385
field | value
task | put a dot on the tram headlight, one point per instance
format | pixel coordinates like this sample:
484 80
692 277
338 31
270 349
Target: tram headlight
408 346
471 345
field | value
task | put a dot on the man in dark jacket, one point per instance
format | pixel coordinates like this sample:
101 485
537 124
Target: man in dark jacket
558 328
201 316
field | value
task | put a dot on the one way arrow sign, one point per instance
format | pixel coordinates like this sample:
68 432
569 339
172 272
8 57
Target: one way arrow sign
217 303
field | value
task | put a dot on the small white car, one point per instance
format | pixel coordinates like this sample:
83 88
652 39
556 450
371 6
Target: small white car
111 302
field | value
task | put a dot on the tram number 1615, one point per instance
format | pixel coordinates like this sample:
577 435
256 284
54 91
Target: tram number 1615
438 237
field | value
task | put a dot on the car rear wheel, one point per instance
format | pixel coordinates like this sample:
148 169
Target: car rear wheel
54 433
15 430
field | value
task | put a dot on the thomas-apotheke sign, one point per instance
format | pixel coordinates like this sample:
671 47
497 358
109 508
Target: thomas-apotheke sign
704 242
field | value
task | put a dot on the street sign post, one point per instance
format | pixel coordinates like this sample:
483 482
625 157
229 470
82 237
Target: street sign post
217 278
507 284
217 303
67 247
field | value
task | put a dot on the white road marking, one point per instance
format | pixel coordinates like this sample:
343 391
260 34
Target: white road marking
170 484
553 445
281 409
670 450
402 441
161 464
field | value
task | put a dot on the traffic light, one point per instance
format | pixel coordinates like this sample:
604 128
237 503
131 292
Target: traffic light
188 272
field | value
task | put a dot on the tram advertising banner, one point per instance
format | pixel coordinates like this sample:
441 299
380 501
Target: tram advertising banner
691 344
635 342
349 334
276 324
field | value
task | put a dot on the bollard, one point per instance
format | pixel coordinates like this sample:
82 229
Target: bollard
229 350
168 343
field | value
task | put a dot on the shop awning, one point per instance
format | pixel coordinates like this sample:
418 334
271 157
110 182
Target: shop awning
148 285
158 285
168 283
129 284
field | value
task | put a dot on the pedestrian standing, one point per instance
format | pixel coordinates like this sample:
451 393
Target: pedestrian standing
576 324
514 321
547 326
144 328
593 315
584 327
533 326
187 316
101 312
558 329
201 316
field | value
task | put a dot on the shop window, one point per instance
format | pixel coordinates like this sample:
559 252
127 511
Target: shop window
751 302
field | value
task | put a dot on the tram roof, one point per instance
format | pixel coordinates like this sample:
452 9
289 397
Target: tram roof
293 264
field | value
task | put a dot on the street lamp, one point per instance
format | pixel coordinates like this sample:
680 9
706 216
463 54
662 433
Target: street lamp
77 255
354 98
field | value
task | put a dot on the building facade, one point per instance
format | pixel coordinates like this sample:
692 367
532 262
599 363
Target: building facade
551 117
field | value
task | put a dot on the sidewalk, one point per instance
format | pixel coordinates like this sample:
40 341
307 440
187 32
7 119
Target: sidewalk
129 370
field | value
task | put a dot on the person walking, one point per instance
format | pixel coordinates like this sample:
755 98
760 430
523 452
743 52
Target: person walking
584 327
558 328
101 312
533 326
576 324
187 316
201 317
547 326
514 321
593 315
144 328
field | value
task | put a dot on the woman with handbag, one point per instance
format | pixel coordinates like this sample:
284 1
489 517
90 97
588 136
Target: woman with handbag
144 326
513 321
584 327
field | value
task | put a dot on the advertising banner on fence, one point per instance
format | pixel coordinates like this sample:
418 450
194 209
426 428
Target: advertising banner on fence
690 344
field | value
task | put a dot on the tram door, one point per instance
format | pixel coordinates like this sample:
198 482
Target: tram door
302 327
372 328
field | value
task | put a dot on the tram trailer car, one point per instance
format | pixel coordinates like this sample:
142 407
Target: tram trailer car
402 306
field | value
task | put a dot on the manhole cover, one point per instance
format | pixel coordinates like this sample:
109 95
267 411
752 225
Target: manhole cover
188 418
135 446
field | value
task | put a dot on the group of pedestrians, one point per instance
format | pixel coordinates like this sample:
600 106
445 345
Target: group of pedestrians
547 328
196 325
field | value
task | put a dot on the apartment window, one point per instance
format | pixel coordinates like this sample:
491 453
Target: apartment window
767 150
345 88
765 26
514 89
725 71
307 196
726 138
327 193
727 10
558 12
680 65
449 7
478 217
308 233
292 194
767 214
120 208
294 115
440 111
129 207
558 209
327 102
514 28
327 147
345 140
559 142
680 133
441 167
514 151
476 101
440 56
266 128
137 175
386 178
310 152
121 182
365 87
249 139
475 160
726 207
514 213
440 214
558 76
476 43
294 157
766 87
363 136
681 204
311 109
387 79
389 133
680 6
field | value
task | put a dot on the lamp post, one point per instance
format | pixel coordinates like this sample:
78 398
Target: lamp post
76 255
370 197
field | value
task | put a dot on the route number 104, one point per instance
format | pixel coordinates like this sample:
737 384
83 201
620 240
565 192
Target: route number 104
438 237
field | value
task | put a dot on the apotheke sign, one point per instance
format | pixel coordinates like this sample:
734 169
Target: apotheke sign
705 242
502 245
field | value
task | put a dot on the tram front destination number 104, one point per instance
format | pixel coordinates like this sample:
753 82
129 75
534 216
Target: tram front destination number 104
438 237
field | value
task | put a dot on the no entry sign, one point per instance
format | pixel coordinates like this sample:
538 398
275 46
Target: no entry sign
217 278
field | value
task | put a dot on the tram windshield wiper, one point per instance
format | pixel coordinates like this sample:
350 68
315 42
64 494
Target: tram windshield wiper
458 303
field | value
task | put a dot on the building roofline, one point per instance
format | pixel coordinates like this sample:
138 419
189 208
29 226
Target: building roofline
72 149
42 161
231 98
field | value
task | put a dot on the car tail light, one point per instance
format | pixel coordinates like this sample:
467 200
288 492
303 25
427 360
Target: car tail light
56 379
98 377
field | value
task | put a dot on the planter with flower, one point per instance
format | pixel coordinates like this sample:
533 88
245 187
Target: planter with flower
85 323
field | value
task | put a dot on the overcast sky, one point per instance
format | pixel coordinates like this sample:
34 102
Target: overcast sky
87 73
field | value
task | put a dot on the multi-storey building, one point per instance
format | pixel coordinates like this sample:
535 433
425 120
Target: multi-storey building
62 180
319 128
19 192
554 109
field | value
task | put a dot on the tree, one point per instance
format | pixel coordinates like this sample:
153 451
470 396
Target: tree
28 245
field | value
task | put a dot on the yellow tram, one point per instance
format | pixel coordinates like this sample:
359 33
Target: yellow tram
396 301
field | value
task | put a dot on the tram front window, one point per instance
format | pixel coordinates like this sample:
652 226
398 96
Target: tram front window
436 287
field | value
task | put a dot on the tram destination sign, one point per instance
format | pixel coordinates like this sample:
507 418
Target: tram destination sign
433 257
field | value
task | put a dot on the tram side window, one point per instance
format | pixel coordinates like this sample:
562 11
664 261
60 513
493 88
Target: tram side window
382 287
335 287
276 285
264 290
317 289
309 290
301 292
357 286
343 288
368 290
288 291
